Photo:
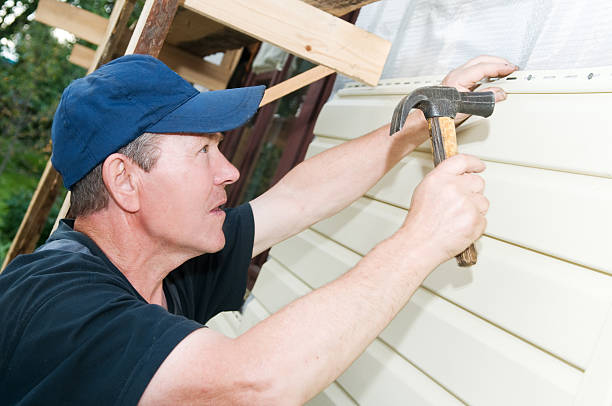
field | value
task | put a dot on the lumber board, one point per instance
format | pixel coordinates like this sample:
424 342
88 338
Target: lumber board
296 82
82 23
38 210
152 27
190 67
196 70
115 29
202 36
305 31
82 56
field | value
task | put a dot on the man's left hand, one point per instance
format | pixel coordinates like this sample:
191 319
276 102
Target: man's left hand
466 78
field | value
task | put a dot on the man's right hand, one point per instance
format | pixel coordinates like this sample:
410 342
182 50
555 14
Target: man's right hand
448 209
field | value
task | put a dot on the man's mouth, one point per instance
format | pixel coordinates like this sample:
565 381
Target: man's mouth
218 209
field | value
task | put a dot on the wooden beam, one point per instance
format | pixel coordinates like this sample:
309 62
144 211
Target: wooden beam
116 27
152 27
49 185
36 215
82 56
82 23
338 7
292 84
303 30
191 68
195 69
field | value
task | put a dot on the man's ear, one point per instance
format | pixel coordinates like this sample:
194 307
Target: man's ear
121 177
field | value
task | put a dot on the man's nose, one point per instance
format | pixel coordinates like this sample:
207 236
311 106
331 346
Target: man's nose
226 173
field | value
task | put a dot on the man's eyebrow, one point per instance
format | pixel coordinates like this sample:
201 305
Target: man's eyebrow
215 136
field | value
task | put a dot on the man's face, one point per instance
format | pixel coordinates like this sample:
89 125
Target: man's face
181 195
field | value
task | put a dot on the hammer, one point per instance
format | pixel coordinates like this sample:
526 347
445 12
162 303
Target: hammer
440 104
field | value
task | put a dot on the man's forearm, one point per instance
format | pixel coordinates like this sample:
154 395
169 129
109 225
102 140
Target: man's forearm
331 180
328 182
311 341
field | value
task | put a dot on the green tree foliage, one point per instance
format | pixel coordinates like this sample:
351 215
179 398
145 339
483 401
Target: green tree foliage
30 88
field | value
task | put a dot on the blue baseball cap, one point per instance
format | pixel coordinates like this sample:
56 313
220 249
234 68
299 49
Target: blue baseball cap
132 95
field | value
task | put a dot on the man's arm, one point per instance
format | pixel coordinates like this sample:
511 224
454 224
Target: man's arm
328 182
295 353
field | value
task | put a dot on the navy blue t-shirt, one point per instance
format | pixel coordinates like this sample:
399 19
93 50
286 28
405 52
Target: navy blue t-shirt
76 332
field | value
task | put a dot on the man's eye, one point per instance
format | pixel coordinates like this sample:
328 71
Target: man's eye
205 148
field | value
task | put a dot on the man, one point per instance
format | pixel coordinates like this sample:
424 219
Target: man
110 310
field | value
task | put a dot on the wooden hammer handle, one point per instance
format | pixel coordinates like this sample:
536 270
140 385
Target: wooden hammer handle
444 145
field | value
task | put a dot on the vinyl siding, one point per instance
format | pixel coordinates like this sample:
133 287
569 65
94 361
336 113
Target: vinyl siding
531 322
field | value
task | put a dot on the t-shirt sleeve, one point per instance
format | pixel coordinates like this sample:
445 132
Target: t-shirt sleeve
212 283
101 339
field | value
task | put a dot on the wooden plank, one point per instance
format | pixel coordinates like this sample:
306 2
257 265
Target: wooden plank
296 82
152 27
230 60
194 69
115 29
305 31
338 7
82 23
82 56
36 215
191 68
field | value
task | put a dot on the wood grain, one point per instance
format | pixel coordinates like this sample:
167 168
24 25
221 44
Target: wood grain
305 31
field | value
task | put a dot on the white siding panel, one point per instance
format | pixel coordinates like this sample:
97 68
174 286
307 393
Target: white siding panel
253 312
332 396
351 117
224 323
561 306
568 132
363 224
463 352
558 130
556 213
277 287
380 377
476 361
596 389
313 258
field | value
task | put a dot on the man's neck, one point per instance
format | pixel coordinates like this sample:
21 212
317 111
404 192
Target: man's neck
144 261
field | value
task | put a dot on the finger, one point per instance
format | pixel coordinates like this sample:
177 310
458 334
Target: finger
481 203
485 59
473 183
461 163
468 76
500 94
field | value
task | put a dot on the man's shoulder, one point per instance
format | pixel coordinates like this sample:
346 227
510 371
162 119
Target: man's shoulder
33 281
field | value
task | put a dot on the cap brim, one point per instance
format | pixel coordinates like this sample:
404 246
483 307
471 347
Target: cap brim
212 111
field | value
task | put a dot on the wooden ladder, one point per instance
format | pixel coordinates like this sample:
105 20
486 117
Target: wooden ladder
310 29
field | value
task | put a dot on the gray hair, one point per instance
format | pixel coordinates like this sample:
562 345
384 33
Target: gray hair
89 194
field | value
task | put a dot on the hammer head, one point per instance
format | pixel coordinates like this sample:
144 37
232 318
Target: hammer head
442 101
